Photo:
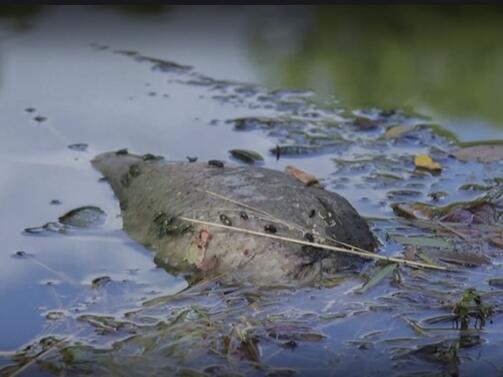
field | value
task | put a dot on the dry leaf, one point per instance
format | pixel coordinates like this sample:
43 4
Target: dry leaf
423 161
497 241
410 252
306 178
397 131
480 153
414 210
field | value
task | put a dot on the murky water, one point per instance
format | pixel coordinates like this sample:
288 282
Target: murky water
79 81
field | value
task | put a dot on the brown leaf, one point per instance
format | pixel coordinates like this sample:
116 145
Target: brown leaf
497 241
300 175
480 153
410 252
397 131
414 210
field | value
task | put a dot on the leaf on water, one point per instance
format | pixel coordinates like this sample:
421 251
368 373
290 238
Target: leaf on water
423 161
300 175
377 277
480 153
246 155
423 241
414 210
410 252
464 258
84 217
497 241
496 282
397 131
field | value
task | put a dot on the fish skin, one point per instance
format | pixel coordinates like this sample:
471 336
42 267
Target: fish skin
159 191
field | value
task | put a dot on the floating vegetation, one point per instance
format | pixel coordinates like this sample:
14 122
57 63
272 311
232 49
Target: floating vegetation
80 147
246 155
84 217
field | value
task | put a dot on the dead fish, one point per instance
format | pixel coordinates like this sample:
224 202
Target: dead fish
185 189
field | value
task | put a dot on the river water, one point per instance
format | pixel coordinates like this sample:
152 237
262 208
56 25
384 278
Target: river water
178 81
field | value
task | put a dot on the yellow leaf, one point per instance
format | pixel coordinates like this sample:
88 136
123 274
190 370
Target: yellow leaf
395 132
423 161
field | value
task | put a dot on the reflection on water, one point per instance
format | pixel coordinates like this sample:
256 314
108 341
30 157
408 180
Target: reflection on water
445 61
97 284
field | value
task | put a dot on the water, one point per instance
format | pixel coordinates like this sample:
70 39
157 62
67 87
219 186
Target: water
65 84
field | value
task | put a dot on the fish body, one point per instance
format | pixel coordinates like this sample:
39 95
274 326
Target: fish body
154 194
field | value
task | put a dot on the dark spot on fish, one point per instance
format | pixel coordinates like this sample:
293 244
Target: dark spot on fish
134 170
40 119
55 202
191 159
312 213
217 163
225 220
160 217
125 180
243 215
123 205
121 152
270 228
309 237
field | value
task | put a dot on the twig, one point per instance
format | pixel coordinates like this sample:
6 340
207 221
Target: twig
321 246
44 353
451 229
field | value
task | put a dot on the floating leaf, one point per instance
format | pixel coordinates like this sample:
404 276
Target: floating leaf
496 282
84 217
497 241
480 153
377 277
306 178
246 155
414 210
397 131
423 161
423 241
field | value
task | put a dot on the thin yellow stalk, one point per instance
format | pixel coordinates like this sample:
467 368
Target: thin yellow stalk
289 225
321 246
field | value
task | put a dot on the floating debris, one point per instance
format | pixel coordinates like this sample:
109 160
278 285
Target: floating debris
423 161
302 176
480 153
151 157
246 155
100 282
84 217
40 119
191 159
55 202
216 163
80 147
396 132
